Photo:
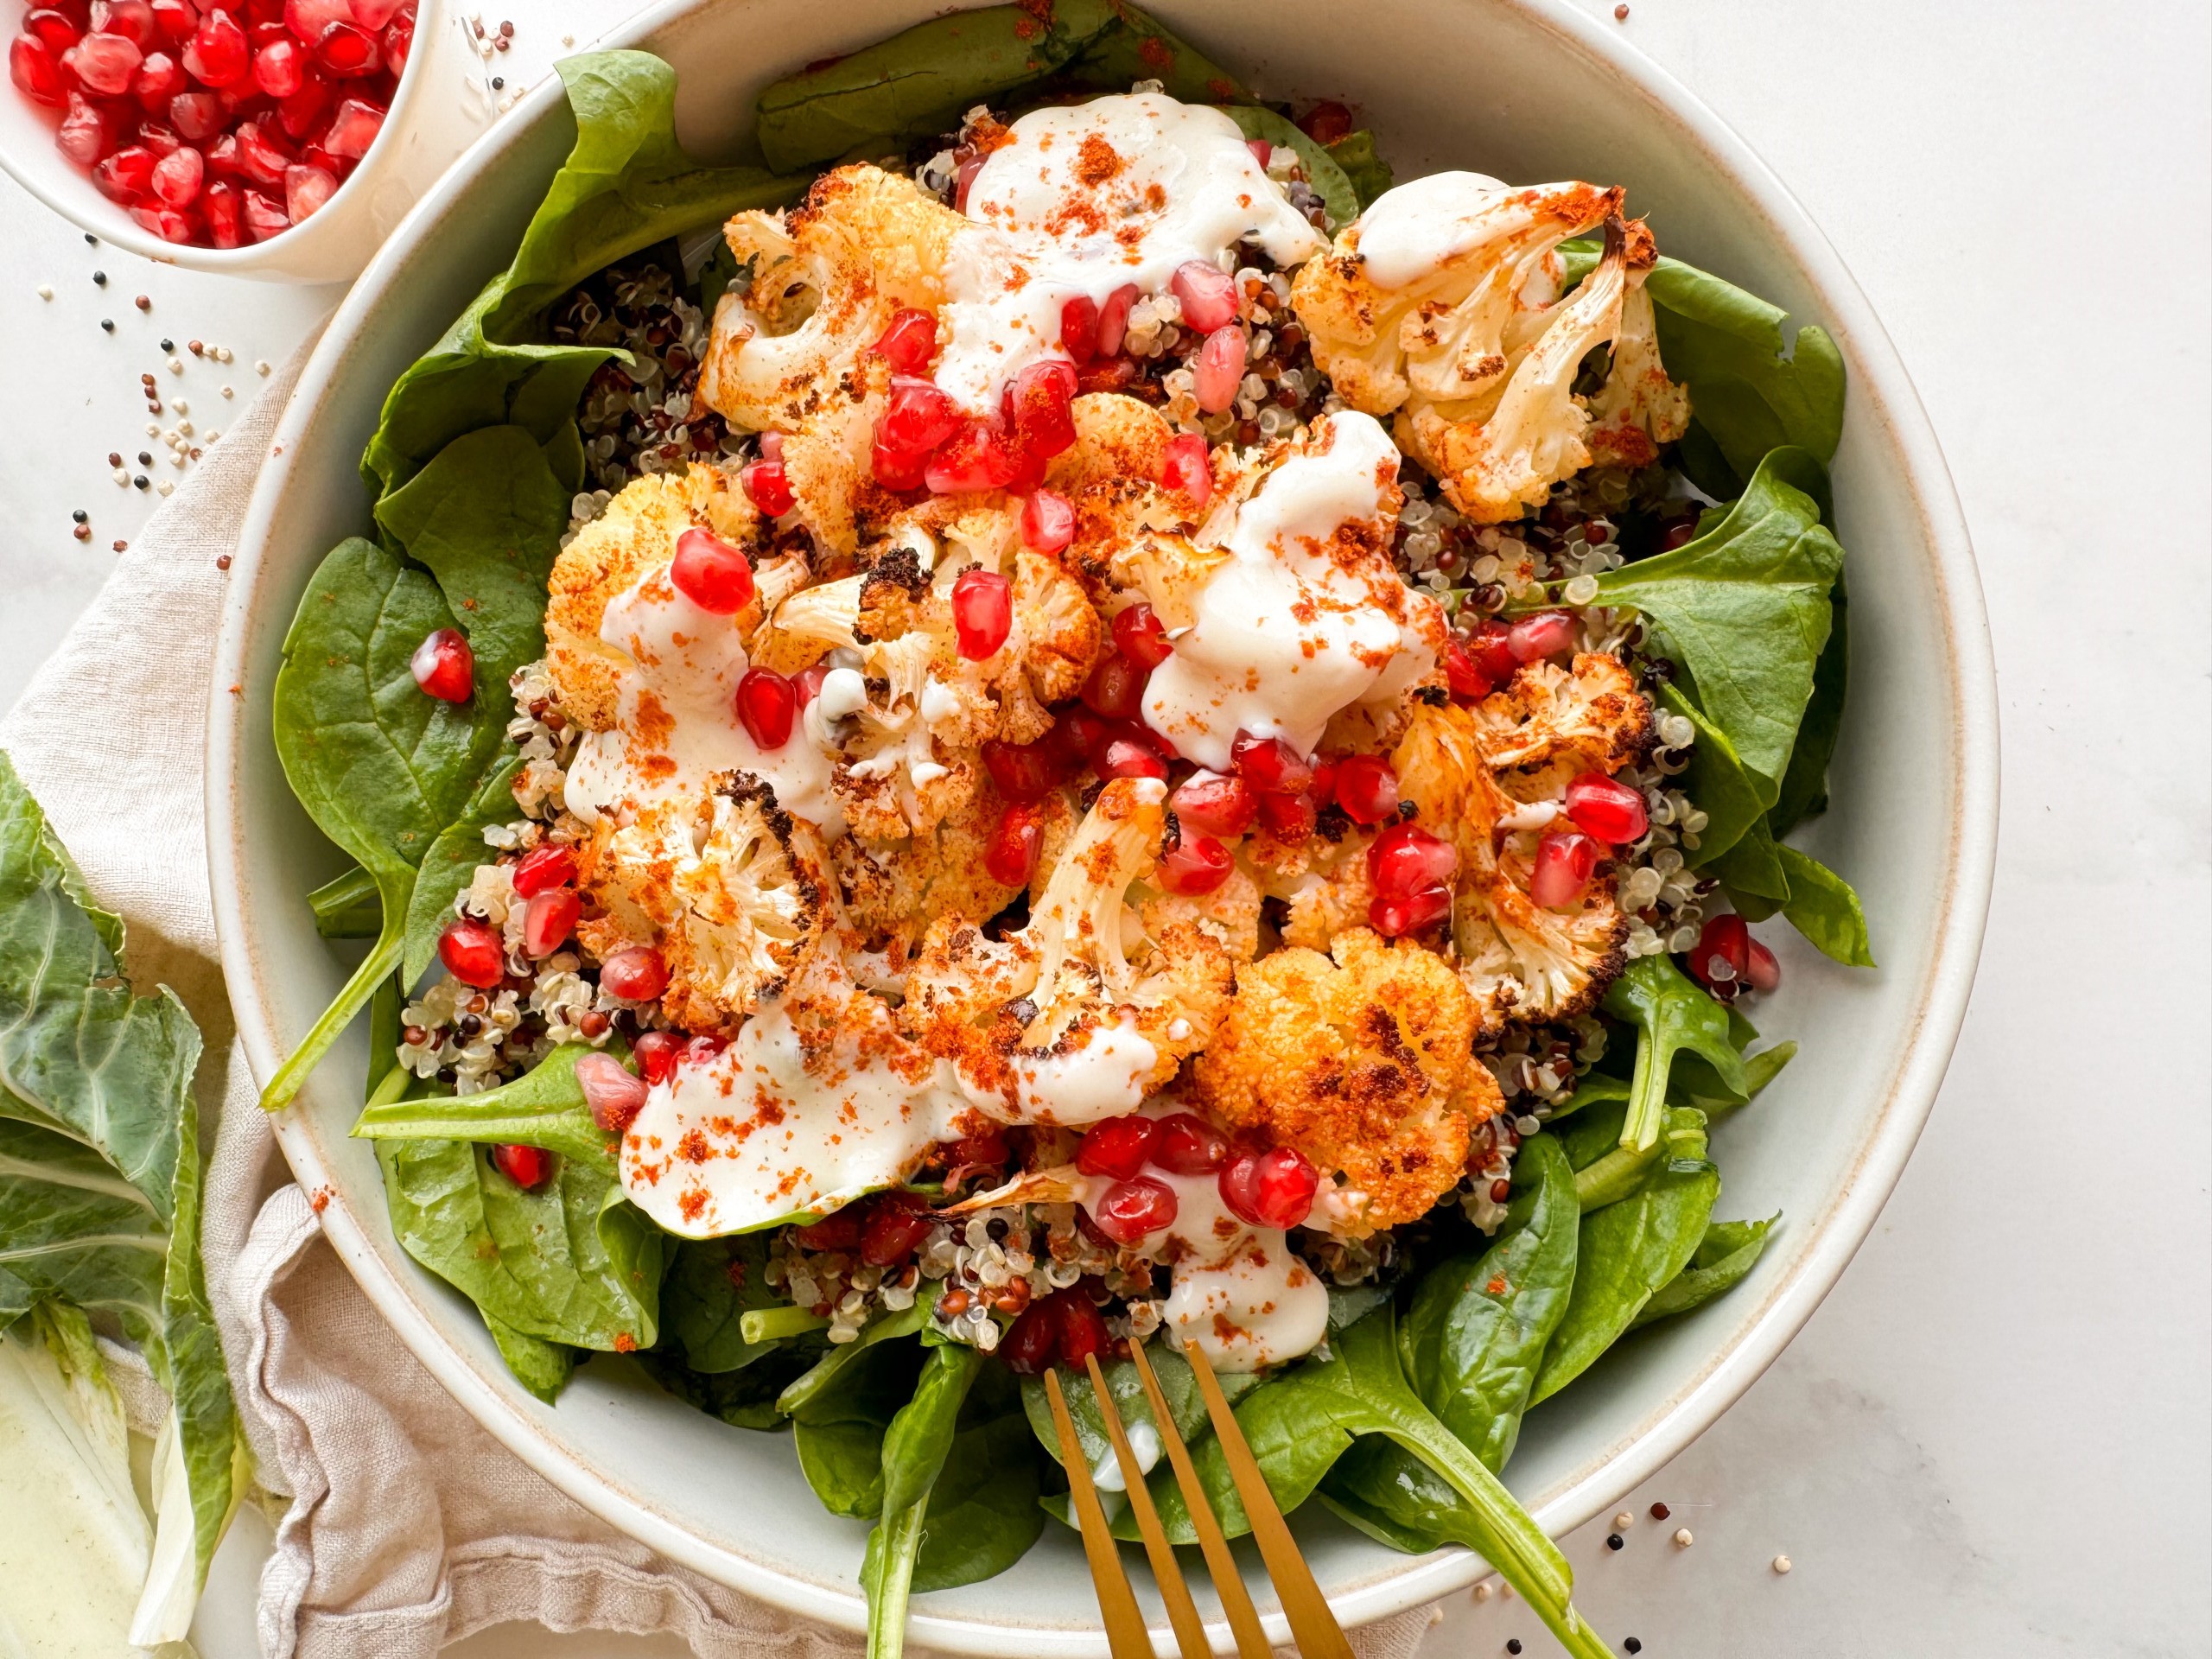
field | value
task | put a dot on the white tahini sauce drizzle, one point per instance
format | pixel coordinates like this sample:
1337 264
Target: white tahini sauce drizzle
1294 627
1102 1077
674 726
1086 198
1409 231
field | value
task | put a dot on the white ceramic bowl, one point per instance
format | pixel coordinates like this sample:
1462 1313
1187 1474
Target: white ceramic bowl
443 103
1526 89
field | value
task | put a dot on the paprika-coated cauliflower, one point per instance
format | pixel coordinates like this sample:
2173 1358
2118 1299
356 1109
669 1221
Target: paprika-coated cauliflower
1549 725
1638 408
1085 1009
1362 1063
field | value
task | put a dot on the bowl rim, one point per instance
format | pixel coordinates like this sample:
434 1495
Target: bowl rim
1667 1427
252 260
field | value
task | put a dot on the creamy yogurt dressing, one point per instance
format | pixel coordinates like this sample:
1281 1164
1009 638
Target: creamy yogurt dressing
1406 232
1289 631
674 726
1083 199
1104 1077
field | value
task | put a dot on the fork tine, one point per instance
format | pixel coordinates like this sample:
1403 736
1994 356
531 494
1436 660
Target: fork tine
1313 1626
1228 1584
1126 1636
1167 1571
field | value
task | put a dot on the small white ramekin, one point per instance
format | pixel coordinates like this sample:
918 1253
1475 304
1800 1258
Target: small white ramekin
443 102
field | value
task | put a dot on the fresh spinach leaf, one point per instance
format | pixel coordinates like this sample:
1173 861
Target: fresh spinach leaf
821 1382
572 1262
1745 607
743 1399
544 1107
711 1284
840 1436
625 184
1752 871
346 906
915 1448
543 1367
1670 1015
1368 173
1628 1251
1592 1088
1328 178
1823 907
983 1514
450 866
1804 792
1726 1256
1732 797
99 1152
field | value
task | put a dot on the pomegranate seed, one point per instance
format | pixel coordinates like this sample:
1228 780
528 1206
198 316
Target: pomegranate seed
1185 1145
445 667
839 1230
375 14
767 488
1492 646
87 132
160 78
167 223
1208 295
1467 681
125 175
1263 151
264 217
196 115
528 1167
177 176
1761 971
637 975
1022 772
807 683
1367 788
1114 319
548 921
33 66
1405 860
983 613
219 201
542 870
962 181
1723 952
1322 790
473 954
1037 408
176 19
1679 533
977 456
1047 521
896 469
1029 1343
306 19
700 1051
399 41
1269 764
772 446
1214 805
162 140
261 158
612 1094
1140 636
1395 917
346 51
895 1228
910 342
1220 368
657 1053
1117 1145
1565 864
299 114
1613 812
57 31
1184 467
1133 1210
1545 634
1325 122
104 64
353 129
1083 1327
1079 329
1011 858
986 1147
217 54
1273 1188
1115 688
766 705
1082 736
1288 817
710 573
1195 865
1127 757
132 19
306 190
1107 374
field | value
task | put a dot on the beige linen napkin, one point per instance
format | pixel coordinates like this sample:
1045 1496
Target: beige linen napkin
409 1526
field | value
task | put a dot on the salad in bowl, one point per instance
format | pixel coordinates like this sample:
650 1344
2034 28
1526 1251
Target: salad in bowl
1056 717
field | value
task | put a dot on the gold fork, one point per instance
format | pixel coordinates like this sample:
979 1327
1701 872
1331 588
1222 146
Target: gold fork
1313 1628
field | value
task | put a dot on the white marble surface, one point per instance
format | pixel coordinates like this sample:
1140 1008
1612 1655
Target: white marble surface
1996 1436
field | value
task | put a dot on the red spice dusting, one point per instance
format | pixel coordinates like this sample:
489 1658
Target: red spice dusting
693 1148
625 1342
1496 1285
1226 91
319 1200
1096 161
1157 53
691 1203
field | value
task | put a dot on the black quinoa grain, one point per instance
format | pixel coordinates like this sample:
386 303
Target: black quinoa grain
1614 1541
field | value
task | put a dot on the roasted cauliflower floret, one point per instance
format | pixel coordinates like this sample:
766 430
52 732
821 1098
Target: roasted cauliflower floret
634 538
1085 1009
733 901
1638 408
1328 890
1229 914
892 890
1362 1063
1550 724
826 277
